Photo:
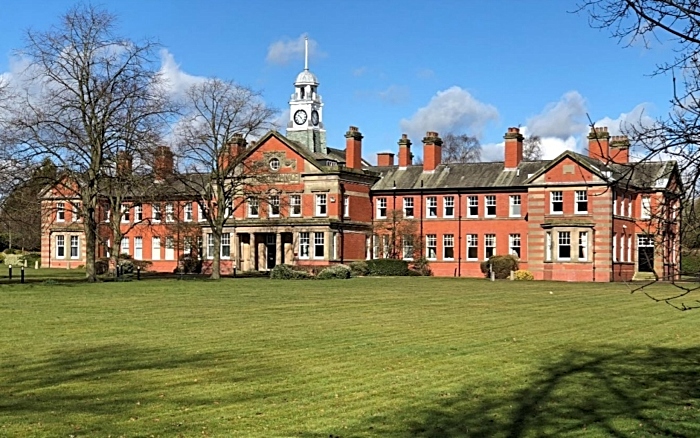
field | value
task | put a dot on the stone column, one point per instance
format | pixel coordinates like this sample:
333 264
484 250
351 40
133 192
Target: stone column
328 245
278 249
253 252
237 251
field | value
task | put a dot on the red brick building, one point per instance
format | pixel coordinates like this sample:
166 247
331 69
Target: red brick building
594 217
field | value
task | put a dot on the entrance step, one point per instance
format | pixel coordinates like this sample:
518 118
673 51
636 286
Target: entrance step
644 276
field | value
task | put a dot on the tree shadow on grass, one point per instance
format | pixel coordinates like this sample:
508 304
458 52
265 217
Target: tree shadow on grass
584 393
100 386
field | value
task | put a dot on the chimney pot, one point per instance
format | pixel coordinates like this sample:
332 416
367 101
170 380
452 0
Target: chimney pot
405 156
513 153
385 159
353 148
432 151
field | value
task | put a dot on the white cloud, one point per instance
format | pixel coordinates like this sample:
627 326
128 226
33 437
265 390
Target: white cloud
394 95
561 119
176 80
639 117
451 110
280 122
286 50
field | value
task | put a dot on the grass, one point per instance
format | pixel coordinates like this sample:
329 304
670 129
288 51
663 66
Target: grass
367 357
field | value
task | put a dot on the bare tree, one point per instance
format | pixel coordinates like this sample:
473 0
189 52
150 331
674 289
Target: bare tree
397 237
460 148
87 93
532 148
213 163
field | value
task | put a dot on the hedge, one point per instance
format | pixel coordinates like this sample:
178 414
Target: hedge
287 272
359 269
502 265
388 267
337 272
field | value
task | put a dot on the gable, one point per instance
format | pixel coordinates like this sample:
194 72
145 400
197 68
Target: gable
293 158
568 171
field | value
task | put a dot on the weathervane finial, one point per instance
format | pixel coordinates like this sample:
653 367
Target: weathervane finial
306 53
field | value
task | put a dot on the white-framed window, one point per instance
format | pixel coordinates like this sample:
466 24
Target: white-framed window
514 207
319 245
385 247
431 246
225 245
556 202
448 206
75 212
295 205
60 247
614 254
490 206
614 202
564 245
189 212
138 213
108 213
375 246
60 212
169 248
275 164
448 247
472 247
321 206
125 212
107 246
407 247
187 246
514 245
138 248
169 214
346 206
274 206
622 248
548 247
124 247
155 248
489 246
74 247
473 206
581 202
210 245
407 207
431 206
629 248
381 208
157 216
646 207
253 207
583 246
200 213
629 207
303 245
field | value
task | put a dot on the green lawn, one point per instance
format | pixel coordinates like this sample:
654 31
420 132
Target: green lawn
367 357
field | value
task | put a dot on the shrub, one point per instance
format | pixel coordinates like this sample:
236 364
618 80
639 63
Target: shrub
2 258
10 251
502 265
287 272
388 267
189 265
337 272
101 266
359 269
421 267
31 258
690 263
523 275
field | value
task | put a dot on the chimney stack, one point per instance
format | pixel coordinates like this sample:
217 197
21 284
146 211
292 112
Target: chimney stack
163 163
385 159
620 149
124 163
432 151
353 148
513 149
235 147
405 157
599 143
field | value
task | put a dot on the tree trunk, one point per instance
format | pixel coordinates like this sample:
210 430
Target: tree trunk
216 260
90 229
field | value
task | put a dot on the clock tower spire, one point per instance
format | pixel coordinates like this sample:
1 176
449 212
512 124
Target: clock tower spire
306 110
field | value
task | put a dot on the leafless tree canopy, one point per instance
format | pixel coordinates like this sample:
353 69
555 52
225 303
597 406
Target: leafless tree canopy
220 117
87 95
532 148
460 148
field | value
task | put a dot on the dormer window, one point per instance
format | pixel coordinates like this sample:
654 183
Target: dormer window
331 163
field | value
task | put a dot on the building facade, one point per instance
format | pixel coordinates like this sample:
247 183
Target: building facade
594 217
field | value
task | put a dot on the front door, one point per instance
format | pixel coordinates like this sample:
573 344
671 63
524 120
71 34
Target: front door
271 245
645 253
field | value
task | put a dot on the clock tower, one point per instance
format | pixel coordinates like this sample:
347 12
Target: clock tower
306 110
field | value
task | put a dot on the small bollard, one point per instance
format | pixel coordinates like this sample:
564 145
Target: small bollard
21 275
25 263
138 272
9 267
36 264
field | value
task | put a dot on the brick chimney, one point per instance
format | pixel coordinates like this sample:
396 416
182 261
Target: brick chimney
385 159
353 148
513 149
432 151
235 147
162 163
405 157
599 143
620 149
124 163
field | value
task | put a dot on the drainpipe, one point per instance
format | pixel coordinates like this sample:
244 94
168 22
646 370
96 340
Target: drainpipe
459 234
421 214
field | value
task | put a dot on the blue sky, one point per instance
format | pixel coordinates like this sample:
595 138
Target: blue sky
395 66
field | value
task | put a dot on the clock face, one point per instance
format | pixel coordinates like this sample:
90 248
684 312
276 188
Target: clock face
300 117
314 117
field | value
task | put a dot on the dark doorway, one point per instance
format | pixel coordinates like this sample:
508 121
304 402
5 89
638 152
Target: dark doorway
271 245
645 254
